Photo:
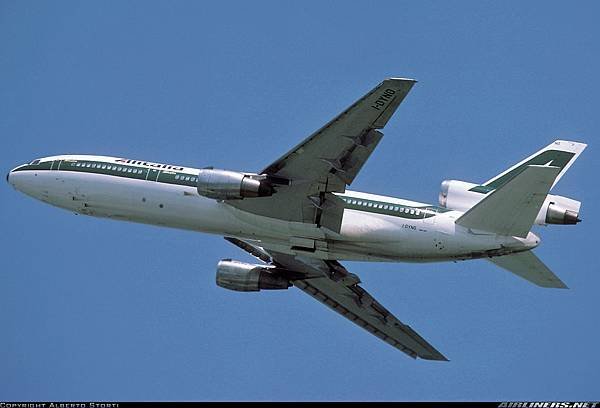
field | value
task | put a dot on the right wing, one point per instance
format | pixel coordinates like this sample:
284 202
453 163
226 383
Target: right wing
331 284
328 160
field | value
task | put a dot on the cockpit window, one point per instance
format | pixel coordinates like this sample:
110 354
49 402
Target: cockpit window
37 161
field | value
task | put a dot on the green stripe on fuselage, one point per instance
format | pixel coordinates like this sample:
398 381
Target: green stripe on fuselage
392 209
190 180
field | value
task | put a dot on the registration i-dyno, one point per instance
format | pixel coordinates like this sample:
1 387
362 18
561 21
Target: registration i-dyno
299 220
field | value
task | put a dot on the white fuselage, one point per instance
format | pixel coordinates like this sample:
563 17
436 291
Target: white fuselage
366 234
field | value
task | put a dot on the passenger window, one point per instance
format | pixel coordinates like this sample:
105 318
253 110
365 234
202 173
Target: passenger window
177 177
396 208
412 211
187 178
418 212
129 170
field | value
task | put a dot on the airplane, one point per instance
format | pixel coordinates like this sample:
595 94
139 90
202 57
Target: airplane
298 219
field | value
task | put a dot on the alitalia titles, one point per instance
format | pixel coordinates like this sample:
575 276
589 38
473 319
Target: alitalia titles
149 164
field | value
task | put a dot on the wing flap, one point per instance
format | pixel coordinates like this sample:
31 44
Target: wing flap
511 209
528 266
328 160
331 284
356 305
343 132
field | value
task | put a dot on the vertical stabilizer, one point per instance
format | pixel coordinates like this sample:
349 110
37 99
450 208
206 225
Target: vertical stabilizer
560 153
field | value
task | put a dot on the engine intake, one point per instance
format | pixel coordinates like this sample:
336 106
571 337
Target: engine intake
228 185
244 277
457 195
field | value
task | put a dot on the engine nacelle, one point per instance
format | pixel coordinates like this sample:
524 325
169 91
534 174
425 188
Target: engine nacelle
228 185
559 210
244 277
455 195
460 196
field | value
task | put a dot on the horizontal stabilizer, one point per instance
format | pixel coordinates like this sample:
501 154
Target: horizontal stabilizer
528 266
512 208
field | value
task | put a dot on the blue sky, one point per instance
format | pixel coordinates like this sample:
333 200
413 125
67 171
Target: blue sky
97 309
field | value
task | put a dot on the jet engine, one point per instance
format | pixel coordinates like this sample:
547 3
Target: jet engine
460 196
228 185
244 277
559 210
455 195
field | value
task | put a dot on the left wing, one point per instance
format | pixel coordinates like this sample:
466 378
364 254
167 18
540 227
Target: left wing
331 284
328 160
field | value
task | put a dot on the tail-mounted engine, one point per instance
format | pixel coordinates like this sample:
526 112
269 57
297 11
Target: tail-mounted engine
244 277
458 195
231 185
559 210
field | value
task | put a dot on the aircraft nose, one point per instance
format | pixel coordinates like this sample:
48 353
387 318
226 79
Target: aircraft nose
13 179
